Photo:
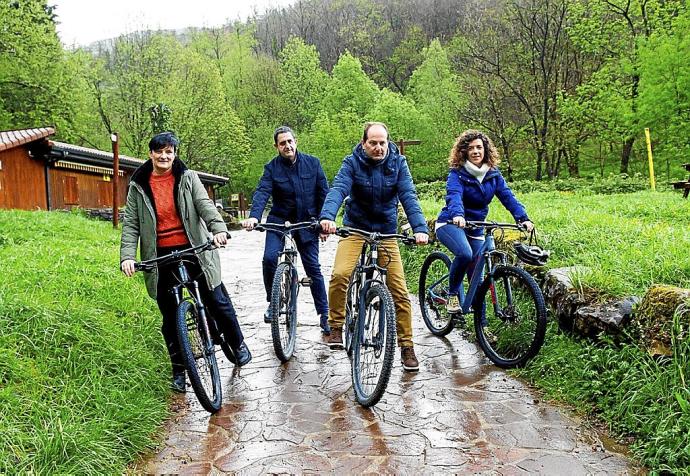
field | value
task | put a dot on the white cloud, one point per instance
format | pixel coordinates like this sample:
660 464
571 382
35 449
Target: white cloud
81 22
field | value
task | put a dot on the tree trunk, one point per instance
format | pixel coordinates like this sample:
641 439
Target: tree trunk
625 154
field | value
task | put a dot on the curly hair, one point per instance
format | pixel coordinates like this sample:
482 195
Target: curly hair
458 154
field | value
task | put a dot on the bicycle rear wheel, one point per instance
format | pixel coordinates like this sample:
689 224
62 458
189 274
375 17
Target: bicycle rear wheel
510 317
373 346
284 311
433 293
199 356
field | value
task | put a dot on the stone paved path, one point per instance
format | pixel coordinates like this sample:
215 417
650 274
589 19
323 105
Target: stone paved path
458 414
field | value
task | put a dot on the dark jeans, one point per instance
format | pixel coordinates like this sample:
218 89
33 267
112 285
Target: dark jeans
217 301
308 247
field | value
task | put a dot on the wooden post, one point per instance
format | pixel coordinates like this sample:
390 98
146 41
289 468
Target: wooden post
401 143
116 174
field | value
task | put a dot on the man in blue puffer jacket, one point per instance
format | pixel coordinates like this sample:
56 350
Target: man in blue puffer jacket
375 178
298 185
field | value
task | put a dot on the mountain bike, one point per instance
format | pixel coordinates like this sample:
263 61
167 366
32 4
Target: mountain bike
513 329
369 328
285 288
196 329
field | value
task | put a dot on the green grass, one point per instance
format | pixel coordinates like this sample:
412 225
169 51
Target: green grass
83 368
629 242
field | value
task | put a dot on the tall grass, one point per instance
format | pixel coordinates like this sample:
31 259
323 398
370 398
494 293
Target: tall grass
83 370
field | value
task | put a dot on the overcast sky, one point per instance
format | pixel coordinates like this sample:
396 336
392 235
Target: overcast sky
81 22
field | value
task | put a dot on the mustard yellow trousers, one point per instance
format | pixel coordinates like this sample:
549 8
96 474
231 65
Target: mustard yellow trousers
346 257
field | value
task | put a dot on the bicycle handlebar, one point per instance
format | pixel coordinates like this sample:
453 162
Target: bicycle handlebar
346 231
150 264
491 225
287 226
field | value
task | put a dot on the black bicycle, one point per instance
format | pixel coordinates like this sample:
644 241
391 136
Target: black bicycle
369 329
285 289
513 330
195 331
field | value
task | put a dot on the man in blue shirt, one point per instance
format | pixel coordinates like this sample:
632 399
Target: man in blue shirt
298 186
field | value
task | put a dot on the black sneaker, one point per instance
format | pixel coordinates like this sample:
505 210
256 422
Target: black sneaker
242 355
323 322
267 316
179 383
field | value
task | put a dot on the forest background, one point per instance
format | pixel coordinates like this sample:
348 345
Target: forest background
565 88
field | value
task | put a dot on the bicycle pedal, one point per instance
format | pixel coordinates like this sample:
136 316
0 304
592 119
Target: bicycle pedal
306 281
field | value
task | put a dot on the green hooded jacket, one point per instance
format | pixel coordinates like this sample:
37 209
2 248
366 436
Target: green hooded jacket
198 214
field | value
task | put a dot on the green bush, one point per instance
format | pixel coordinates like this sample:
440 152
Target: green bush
83 368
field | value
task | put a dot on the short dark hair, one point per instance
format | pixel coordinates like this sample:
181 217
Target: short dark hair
369 125
164 139
282 130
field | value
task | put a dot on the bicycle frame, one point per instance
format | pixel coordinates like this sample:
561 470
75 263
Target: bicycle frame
483 263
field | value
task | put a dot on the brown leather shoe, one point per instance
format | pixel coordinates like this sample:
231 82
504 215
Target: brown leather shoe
335 339
409 359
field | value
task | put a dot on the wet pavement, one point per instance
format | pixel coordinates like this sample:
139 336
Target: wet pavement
458 414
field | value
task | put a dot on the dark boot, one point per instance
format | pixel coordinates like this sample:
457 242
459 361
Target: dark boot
267 315
242 355
179 382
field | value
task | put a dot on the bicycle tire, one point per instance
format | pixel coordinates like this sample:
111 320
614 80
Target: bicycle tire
515 329
435 271
199 357
283 311
351 305
374 340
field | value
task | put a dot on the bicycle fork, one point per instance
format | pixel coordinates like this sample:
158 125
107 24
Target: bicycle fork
193 289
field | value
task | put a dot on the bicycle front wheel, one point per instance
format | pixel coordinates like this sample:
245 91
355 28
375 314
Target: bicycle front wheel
433 293
373 346
510 317
199 356
284 311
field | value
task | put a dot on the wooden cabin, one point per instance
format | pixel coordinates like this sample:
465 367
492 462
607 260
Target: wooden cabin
37 173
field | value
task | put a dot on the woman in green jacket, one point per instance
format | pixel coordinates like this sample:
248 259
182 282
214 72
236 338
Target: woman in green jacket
168 209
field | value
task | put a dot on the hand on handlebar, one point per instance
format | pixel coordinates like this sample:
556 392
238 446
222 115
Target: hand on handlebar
421 238
328 227
459 221
220 239
127 267
249 223
529 226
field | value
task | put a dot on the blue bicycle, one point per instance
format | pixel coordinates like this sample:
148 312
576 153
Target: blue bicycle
508 306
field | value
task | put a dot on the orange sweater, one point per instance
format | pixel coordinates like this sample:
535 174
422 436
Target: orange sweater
169 228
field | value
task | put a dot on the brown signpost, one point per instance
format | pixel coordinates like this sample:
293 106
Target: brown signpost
401 143
116 173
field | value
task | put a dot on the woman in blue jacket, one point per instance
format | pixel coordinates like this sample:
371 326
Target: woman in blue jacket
473 181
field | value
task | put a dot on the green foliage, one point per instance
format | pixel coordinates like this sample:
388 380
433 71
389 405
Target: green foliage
40 84
664 89
302 82
350 90
332 139
83 368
